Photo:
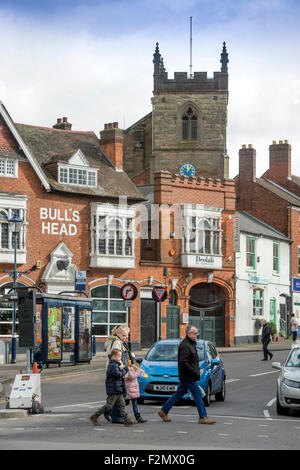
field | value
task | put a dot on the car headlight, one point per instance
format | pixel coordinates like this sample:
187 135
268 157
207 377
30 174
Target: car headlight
291 383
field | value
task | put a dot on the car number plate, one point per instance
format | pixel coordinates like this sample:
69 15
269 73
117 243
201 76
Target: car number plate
165 388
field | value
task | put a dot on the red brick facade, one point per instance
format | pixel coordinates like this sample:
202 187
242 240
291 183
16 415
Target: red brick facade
276 204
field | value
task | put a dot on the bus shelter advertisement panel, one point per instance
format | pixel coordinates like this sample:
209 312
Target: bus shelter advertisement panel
54 333
85 324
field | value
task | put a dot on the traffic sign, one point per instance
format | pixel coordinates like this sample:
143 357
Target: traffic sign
159 294
129 292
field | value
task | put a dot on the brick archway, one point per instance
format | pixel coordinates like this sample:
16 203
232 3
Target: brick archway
228 304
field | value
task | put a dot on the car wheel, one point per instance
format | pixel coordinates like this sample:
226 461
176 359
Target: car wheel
220 396
280 409
140 401
206 399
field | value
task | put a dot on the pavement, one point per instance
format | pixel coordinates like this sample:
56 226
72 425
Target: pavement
8 371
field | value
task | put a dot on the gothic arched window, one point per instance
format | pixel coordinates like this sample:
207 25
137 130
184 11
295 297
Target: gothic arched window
189 125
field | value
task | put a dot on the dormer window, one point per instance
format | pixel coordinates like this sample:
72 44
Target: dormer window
8 167
77 171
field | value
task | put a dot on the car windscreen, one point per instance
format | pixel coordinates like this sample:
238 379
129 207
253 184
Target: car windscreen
169 352
294 358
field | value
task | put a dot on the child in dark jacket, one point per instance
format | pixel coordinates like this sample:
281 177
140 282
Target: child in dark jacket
115 389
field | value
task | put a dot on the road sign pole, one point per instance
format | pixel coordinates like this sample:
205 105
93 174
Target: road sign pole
158 320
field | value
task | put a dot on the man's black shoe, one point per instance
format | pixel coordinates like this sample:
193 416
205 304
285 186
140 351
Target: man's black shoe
107 416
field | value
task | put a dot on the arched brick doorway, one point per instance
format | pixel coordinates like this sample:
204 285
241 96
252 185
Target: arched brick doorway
207 311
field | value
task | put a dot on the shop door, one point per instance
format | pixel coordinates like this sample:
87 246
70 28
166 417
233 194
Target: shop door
273 311
210 323
148 323
173 316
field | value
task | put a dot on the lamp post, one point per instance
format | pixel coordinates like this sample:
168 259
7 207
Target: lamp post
16 224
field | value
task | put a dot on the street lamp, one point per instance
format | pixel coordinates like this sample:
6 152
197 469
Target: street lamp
15 224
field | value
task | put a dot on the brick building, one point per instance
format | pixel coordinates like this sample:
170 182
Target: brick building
192 250
67 190
273 198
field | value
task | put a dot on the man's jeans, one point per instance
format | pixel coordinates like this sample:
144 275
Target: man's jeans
182 389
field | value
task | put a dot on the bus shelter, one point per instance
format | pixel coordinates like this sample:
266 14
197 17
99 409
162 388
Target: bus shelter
63 329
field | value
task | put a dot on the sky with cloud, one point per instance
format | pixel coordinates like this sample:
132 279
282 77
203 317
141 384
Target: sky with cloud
91 60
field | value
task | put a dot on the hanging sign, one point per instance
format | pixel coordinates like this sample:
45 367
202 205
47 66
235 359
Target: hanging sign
159 294
129 292
80 280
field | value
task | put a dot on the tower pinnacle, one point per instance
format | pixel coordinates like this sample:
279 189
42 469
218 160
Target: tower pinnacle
224 59
157 59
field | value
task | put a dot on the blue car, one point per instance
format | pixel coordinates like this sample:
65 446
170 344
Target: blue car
161 366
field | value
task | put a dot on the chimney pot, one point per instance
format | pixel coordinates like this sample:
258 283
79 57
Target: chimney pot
274 142
244 146
63 124
116 125
279 162
250 146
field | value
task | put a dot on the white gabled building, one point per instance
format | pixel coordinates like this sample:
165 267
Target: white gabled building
262 278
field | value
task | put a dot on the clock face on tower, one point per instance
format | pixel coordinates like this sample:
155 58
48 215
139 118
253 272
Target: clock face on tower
187 169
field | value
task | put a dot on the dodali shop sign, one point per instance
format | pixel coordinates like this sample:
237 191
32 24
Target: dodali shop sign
59 221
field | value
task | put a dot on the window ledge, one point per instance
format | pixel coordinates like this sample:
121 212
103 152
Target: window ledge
7 256
112 261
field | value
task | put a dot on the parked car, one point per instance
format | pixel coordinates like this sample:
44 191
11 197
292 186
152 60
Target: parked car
161 366
288 384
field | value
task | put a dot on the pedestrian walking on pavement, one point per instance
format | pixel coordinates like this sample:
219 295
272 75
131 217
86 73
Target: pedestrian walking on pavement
133 390
115 388
118 339
265 339
189 374
294 327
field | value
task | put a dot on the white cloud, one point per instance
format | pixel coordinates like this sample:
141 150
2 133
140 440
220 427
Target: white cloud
50 71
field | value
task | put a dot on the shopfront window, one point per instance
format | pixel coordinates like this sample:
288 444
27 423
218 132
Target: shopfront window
258 302
108 309
6 312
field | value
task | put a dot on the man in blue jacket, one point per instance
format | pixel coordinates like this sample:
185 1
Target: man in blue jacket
115 389
189 374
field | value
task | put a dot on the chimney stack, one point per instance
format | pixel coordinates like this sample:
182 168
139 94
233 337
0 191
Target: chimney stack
63 124
247 163
279 161
111 141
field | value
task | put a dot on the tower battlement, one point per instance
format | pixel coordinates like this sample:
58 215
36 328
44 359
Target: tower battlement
181 81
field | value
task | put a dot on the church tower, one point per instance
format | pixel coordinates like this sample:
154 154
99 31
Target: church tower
189 120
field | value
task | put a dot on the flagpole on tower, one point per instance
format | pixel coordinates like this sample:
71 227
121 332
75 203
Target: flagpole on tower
191 46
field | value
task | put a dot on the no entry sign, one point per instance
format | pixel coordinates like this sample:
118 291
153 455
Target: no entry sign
159 294
129 292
